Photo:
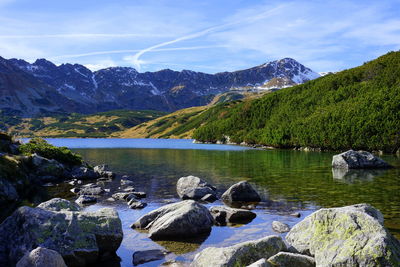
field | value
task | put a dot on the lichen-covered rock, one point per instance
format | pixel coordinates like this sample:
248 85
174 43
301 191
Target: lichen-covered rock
192 187
241 254
280 227
47 167
41 257
223 215
346 236
261 263
80 237
59 204
241 192
286 259
175 221
358 160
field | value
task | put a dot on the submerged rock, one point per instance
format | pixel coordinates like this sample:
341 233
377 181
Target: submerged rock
41 257
192 187
140 257
346 236
176 221
285 259
358 160
241 192
280 227
241 254
82 238
223 215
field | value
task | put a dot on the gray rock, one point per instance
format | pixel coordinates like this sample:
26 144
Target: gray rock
358 160
80 237
126 181
175 221
223 215
285 259
129 189
241 192
192 187
140 257
241 254
347 236
8 192
41 257
209 198
135 204
75 190
280 227
92 190
83 173
46 167
261 263
85 200
120 195
174 263
59 204
104 171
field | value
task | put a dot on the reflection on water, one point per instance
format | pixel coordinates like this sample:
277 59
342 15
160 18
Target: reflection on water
289 181
353 176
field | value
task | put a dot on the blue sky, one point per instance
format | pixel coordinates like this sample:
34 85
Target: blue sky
209 35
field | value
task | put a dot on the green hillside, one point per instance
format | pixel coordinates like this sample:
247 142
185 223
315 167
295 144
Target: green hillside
102 124
357 108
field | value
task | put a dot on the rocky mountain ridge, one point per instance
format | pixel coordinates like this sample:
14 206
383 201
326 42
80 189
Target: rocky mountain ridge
39 88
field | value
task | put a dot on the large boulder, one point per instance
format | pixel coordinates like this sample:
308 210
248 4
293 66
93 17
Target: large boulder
8 193
346 236
47 168
82 238
83 173
184 219
358 160
192 187
286 259
41 257
241 192
224 215
241 254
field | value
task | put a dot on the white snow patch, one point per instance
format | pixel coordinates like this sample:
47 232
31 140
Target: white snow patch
77 70
69 86
94 82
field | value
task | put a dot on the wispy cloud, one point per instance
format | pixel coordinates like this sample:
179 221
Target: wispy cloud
84 35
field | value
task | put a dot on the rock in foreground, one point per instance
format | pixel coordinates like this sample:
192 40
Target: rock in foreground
358 160
347 236
192 187
80 237
184 219
241 254
140 257
285 259
241 192
41 257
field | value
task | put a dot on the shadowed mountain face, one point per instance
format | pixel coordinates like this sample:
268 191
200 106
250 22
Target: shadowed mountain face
42 87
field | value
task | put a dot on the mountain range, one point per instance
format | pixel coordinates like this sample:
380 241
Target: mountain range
43 88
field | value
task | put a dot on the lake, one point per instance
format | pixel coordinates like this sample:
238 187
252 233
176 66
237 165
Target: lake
290 181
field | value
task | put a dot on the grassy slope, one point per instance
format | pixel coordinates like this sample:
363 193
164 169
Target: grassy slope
101 124
182 123
357 108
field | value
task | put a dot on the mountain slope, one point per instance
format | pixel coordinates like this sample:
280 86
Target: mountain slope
357 108
41 87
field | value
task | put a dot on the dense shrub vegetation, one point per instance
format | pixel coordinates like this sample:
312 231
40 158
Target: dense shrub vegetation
357 108
44 149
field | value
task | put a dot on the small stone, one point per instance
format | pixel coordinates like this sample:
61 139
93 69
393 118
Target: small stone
85 200
209 198
75 190
280 227
129 189
295 214
137 205
120 195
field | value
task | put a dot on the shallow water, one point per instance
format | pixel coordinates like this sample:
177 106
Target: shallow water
293 180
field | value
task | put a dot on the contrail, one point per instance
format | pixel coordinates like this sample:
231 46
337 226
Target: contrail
136 57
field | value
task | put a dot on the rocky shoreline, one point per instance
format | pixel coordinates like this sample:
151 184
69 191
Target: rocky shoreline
59 232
